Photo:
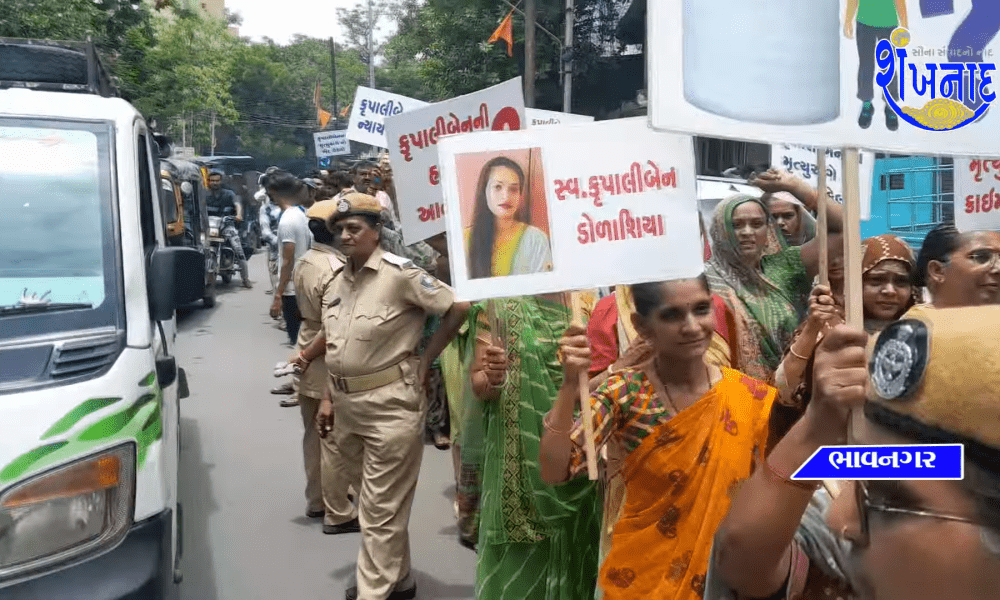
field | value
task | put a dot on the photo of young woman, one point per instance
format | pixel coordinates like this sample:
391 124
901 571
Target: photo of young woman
505 217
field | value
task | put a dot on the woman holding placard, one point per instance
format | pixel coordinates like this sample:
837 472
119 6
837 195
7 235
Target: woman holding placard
762 280
682 434
536 541
887 292
960 269
500 241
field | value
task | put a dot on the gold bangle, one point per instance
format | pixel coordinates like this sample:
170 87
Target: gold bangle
802 485
791 350
545 423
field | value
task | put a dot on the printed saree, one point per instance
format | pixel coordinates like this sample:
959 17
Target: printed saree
680 473
535 541
769 301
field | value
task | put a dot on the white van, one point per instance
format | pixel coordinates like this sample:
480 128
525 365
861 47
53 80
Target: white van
88 386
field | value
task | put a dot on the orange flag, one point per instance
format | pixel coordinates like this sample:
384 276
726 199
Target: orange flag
505 32
346 111
323 117
317 96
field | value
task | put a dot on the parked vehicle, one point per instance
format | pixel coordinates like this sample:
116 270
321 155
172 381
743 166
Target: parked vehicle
89 386
183 197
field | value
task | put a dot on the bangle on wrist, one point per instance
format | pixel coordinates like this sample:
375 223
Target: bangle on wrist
802 485
302 356
548 426
791 350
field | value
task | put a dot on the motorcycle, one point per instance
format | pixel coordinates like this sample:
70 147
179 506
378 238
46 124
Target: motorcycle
224 256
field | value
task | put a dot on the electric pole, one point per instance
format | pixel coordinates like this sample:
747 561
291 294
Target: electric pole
333 70
567 60
371 46
530 12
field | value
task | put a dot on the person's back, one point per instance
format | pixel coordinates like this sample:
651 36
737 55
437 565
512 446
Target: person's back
293 226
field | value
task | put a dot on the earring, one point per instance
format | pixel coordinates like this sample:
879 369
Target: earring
843 532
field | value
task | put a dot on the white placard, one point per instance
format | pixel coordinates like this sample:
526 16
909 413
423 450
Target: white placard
786 71
599 203
331 143
369 112
801 161
414 154
542 118
977 194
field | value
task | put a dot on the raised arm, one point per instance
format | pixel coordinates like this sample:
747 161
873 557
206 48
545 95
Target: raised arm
782 181
753 543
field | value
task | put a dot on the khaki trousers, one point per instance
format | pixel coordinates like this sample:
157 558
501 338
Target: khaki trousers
321 487
380 433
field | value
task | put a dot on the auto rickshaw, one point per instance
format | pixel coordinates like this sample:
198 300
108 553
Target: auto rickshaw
183 194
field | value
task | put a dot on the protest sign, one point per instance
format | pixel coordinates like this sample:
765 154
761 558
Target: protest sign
801 161
369 111
541 118
587 205
828 73
331 143
414 152
977 194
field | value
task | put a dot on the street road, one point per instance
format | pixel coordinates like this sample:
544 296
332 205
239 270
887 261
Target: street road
246 536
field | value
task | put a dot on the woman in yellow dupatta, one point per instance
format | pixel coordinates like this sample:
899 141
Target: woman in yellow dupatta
500 241
680 433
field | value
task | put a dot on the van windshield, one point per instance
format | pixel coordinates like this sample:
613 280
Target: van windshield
57 226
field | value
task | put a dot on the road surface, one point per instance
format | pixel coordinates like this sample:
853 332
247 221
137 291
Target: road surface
246 536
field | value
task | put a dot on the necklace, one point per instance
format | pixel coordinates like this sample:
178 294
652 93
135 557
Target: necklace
666 390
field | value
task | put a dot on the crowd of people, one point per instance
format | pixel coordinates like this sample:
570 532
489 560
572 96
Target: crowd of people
706 395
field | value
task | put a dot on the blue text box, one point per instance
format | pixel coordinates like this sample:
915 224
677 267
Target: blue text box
895 462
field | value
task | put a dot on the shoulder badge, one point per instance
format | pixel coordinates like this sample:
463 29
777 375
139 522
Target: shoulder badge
428 282
899 359
344 206
399 261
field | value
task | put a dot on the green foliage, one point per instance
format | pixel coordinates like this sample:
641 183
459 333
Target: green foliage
183 69
446 39
189 72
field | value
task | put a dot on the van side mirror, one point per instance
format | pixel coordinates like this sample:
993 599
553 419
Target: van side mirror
176 276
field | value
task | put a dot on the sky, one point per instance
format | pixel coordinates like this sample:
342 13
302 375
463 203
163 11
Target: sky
282 19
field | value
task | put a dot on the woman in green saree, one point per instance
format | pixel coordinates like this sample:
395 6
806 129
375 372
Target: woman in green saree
763 281
536 541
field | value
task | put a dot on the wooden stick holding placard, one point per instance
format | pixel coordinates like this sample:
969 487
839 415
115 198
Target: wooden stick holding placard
852 239
586 414
821 219
852 254
491 318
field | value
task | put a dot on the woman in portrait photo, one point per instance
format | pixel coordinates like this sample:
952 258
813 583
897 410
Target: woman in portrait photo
500 241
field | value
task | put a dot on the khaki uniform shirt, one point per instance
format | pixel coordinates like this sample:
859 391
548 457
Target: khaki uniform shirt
313 274
374 318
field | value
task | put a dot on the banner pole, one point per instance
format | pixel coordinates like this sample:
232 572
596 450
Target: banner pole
852 239
590 450
821 219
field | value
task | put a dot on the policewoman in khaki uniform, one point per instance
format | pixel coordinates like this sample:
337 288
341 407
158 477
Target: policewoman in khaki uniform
374 314
313 274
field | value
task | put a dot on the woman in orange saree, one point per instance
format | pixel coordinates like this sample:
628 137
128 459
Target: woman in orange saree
683 435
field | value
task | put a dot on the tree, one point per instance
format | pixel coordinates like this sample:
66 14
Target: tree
190 73
361 27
